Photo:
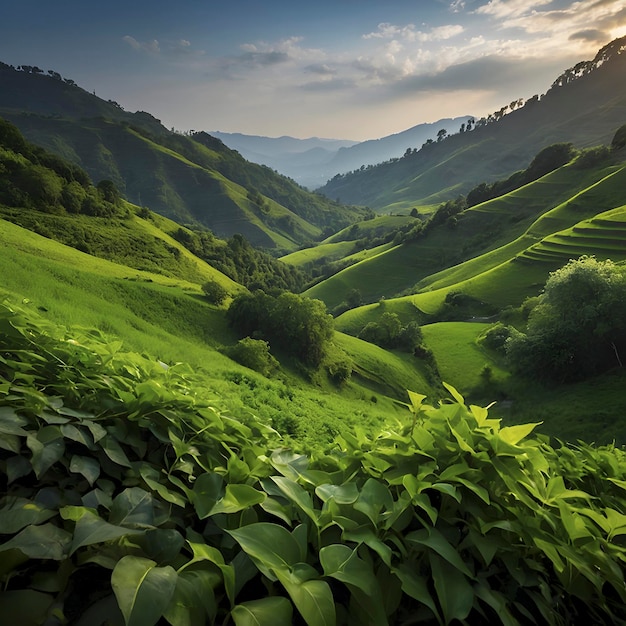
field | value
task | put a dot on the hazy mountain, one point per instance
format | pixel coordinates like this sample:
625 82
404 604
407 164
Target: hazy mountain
585 105
311 162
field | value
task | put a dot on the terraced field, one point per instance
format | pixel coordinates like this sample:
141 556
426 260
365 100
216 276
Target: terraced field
603 236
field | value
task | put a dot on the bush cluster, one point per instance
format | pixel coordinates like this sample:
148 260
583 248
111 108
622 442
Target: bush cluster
296 324
389 332
33 178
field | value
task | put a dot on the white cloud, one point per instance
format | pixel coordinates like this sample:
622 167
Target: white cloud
503 9
410 32
151 47
170 48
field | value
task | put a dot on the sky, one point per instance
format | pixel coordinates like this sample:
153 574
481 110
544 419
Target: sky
345 69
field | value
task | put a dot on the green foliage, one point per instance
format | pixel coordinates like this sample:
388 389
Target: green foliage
241 261
297 324
340 370
496 336
30 177
132 499
389 332
214 292
619 139
253 353
578 329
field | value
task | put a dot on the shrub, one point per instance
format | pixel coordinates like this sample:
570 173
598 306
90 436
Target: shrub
340 371
253 353
214 292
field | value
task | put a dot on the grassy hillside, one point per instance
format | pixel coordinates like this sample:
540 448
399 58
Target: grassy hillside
483 236
585 110
167 317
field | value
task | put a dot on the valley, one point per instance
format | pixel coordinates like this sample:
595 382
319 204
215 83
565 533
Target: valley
240 401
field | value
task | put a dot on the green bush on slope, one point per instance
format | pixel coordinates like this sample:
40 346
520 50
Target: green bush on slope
132 499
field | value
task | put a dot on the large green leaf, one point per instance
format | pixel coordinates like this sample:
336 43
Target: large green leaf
203 552
341 494
313 599
17 513
272 611
514 434
91 529
45 454
133 508
237 497
142 589
193 601
87 466
207 490
24 607
454 592
374 497
433 539
296 494
270 545
344 564
161 544
415 586
46 541
152 477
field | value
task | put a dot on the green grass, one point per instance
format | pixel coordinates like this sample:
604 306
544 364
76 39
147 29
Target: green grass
459 356
486 229
322 253
167 318
380 370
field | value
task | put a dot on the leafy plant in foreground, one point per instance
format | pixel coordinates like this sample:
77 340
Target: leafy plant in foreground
132 500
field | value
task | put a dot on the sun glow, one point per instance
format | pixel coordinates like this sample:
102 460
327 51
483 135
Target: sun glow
618 32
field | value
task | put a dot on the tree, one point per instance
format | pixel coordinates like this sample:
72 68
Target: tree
619 139
253 353
109 192
354 298
299 325
441 134
578 329
214 292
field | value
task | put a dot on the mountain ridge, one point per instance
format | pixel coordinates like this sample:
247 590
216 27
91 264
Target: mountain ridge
193 178
312 161
584 106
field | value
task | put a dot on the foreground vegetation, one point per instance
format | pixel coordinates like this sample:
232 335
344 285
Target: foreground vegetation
132 498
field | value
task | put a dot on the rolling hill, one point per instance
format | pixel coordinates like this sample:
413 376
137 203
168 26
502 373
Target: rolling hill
192 179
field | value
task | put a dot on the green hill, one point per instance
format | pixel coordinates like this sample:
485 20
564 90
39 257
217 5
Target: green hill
584 107
193 179
483 236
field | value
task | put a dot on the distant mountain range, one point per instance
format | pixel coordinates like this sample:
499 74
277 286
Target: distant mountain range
313 161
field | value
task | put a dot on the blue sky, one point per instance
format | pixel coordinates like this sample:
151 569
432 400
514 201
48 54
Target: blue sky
353 69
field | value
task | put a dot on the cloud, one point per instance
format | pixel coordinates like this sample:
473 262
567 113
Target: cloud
490 73
410 33
503 9
334 84
592 34
168 47
151 47
457 6
320 68
261 59
563 20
